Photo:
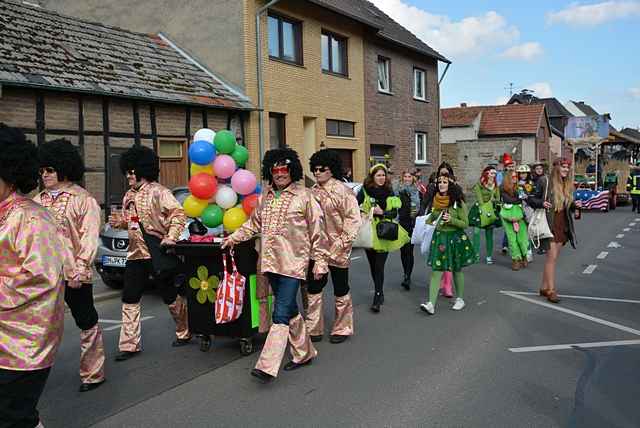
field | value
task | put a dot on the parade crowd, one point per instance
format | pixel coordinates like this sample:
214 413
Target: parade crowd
48 243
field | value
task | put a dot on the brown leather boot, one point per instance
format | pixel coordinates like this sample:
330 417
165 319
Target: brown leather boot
515 265
524 263
552 296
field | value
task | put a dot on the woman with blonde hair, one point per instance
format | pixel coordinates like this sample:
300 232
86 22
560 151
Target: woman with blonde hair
560 205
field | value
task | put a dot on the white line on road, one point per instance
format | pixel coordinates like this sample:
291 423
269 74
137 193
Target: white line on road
602 255
626 229
632 224
356 257
573 345
110 321
614 244
575 313
620 235
589 270
570 296
115 327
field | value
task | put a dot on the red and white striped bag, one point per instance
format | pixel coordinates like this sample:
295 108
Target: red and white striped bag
230 294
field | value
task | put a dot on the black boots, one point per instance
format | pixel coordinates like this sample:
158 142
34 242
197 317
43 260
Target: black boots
406 284
378 300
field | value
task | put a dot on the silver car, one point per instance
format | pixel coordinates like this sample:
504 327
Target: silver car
113 246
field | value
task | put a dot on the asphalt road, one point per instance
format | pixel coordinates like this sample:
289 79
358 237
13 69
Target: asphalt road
507 360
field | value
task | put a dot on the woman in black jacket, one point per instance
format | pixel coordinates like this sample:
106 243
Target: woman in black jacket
411 199
560 207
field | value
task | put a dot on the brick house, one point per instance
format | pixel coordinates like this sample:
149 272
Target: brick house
106 89
473 137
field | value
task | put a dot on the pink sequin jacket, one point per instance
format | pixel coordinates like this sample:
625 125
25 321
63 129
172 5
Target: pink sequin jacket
292 230
31 287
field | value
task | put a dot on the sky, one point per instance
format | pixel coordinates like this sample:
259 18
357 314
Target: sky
581 51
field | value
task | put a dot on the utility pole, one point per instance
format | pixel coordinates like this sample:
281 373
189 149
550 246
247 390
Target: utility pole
510 88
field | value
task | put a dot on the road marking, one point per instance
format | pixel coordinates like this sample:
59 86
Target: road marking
632 224
356 258
620 235
570 296
602 255
575 313
589 270
614 244
110 321
115 327
626 229
575 345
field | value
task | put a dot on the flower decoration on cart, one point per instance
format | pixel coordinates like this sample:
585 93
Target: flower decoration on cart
223 193
205 284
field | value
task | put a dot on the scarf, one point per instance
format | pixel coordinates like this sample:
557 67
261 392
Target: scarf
412 191
380 194
440 202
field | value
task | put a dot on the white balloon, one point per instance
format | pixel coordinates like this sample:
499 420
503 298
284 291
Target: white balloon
205 134
226 197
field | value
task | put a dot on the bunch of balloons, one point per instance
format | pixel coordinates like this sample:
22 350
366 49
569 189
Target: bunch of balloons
218 181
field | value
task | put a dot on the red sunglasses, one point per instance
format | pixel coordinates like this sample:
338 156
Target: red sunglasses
284 169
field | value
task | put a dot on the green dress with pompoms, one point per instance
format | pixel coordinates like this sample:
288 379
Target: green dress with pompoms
451 248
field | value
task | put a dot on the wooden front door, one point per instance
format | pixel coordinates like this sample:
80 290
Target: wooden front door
174 166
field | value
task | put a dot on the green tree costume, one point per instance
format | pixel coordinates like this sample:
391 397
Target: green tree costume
483 195
511 214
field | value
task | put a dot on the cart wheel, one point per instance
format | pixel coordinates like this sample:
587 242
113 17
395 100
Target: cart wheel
246 347
205 343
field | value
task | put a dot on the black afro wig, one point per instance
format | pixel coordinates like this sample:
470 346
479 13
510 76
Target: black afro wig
18 160
281 156
62 156
327 158
143 161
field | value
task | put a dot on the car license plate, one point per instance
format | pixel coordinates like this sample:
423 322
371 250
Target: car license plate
114 261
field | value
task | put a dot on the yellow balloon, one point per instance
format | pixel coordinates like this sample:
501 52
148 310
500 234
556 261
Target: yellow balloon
233 219
197 169
193 206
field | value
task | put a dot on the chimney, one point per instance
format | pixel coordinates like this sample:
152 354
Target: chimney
463 104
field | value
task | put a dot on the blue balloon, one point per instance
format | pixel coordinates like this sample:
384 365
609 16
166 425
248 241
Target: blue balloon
202 152
258 189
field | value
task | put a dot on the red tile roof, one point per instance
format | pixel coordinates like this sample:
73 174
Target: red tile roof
512 119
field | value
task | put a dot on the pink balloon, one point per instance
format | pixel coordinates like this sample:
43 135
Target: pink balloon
224 166
243 182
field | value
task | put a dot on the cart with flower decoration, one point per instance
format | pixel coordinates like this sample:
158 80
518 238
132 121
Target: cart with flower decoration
202 271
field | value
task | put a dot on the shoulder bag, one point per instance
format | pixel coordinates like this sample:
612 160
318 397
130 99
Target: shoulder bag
539 226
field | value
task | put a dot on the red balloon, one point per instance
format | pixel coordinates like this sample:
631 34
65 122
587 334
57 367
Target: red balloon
249 203
203 186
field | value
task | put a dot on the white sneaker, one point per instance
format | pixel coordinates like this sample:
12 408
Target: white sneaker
458 305
489 260
529 256
428 308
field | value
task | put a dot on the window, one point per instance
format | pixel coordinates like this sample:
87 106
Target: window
384 75
277 133
421 147
419 84
285 39
334 53
340 128
170 149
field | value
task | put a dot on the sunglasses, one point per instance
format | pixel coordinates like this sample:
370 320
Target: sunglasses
48 170
284 169
320 169
131 172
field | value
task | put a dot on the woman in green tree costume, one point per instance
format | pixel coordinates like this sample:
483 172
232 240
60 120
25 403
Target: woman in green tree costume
512 215
377 196
451 249
483 213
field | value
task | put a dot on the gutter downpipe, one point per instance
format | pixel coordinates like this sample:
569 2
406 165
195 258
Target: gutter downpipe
259 13
440 115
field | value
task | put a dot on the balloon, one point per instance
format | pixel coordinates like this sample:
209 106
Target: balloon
212 216
234 218
249 203
197 169
224 166
202 153
225 142
226 197
203 186
193 206
243 182
258 189
204 134
240 154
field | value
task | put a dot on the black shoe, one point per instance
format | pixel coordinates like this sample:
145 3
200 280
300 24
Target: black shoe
295 366
406 284
378 298
337 338
86 387
205 343
180 342
262 376
316 338
125 355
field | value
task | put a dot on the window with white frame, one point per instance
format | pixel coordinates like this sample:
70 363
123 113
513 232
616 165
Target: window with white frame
421 147
419 84
384 75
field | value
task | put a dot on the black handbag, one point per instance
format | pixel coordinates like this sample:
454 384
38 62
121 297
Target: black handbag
387 230
163 263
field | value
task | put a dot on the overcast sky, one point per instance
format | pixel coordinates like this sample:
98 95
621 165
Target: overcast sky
582 51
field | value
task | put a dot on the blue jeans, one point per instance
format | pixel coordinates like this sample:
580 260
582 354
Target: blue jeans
285 290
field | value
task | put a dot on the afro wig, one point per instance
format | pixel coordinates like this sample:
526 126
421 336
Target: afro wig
281 156
62 156
18 160
143 161
328 158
